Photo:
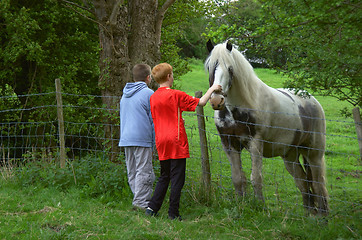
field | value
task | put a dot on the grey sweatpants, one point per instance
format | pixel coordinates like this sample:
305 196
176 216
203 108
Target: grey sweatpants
140 174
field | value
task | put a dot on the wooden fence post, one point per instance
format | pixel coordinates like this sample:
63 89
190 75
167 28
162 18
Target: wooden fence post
206 174
358 124
60 122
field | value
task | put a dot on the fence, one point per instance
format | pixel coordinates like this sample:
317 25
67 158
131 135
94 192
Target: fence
31 129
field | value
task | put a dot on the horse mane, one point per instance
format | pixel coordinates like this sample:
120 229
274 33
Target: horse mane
243 72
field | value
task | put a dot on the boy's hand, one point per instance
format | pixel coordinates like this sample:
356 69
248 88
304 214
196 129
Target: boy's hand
206 97
216 88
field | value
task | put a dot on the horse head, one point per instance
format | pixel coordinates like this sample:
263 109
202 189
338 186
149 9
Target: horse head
219 73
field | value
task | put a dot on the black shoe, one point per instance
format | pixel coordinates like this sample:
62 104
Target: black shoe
150 212
179 218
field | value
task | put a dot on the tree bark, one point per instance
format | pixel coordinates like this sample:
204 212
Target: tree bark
129 33
358 124
114 66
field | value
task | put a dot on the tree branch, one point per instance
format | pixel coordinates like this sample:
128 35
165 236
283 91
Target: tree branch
83 15
165 6
77 5
113 17
159 18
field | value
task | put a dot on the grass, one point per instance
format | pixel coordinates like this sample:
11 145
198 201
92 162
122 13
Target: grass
47 213
36 207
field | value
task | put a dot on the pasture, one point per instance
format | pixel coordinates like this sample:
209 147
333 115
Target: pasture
42 202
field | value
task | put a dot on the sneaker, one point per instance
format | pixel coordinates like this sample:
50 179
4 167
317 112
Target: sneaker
179 218
150 212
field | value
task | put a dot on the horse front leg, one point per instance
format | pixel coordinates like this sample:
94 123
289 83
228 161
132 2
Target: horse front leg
256 154
237 173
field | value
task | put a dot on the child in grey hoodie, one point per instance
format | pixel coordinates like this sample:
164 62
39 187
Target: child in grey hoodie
137 135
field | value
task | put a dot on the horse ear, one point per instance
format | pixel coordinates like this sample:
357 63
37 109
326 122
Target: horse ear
229 46
209 46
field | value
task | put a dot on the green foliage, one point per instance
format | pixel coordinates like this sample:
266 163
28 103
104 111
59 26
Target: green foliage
39 42
238 21
322 42
169 53
43 40
178 18
191 41
190 38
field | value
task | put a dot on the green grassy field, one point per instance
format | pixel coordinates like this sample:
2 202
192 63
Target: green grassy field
38 207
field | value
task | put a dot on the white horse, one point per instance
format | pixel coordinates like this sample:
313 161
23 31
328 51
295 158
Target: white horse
267 122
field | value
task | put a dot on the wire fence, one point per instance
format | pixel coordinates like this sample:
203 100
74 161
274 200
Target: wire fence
30 131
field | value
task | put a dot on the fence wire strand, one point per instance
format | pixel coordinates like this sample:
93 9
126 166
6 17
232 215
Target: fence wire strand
29 130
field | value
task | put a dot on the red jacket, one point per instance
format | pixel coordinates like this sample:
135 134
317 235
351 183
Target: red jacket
167 106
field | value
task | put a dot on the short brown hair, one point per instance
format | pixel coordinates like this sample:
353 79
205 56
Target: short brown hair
140 72
160 72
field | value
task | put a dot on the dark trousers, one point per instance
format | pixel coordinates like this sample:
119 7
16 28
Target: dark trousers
171 170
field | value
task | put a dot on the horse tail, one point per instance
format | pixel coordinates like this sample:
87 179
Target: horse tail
308 171
309 180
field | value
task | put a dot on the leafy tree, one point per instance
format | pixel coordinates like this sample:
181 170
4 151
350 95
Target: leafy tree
238 21
322 42
178 18
191 41
40 41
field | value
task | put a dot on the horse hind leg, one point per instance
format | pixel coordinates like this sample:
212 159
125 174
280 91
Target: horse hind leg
293 166
316 165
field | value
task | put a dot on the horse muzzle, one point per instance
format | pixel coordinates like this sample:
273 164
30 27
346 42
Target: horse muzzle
217 100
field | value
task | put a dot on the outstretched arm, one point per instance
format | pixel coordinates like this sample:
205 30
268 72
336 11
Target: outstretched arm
207 95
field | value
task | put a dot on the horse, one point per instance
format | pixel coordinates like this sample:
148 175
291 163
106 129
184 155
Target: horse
267 122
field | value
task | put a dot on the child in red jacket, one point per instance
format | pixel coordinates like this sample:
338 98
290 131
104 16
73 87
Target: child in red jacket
167 106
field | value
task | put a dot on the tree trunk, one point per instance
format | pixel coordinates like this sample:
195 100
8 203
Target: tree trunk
358 124
129 33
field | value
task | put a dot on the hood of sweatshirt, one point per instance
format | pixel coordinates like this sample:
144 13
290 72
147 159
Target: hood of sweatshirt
132 88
